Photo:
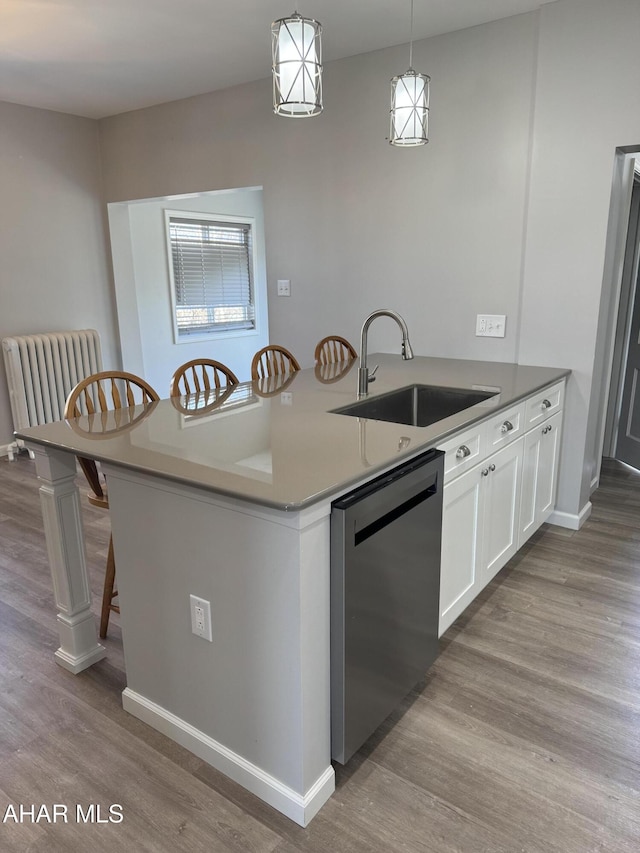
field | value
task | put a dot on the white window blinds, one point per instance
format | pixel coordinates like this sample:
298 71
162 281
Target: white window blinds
212 275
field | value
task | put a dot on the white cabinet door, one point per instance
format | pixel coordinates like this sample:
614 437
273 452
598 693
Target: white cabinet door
539 475
549 458
461 545
491 510
501 506
530 473
479 529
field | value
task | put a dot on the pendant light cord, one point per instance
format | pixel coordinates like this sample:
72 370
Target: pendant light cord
411 39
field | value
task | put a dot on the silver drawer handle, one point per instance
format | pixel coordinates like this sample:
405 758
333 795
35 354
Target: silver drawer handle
462 452
506 427
492 467
546 404
485 472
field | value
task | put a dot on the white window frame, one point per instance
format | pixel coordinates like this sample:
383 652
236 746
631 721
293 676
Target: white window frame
211 334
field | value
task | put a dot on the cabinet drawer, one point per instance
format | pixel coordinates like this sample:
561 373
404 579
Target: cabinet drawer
544 404
463 451
505 427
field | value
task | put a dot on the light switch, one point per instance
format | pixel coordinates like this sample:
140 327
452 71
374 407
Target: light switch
491 325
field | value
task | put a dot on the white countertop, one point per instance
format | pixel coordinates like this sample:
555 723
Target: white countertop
286 449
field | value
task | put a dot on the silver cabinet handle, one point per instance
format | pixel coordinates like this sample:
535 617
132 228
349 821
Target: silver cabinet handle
485 472
546 404
547 429
462 452
492 467
506 427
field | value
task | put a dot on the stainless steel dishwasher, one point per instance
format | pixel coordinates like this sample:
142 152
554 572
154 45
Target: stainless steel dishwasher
385 588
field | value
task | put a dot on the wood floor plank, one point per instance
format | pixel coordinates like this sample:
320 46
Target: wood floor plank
163 807
589 730
559 802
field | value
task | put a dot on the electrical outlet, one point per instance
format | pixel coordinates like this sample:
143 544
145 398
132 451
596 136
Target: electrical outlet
200 617
491 325
284 287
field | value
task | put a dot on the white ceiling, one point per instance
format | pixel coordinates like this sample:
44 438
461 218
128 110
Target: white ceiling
98 58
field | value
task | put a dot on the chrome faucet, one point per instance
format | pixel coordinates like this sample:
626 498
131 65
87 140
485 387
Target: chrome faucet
364 377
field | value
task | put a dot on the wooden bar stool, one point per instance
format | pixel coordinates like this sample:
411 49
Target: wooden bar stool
201 374
334 348
273 360
103 392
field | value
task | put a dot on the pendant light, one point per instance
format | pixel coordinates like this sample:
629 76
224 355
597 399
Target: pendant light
297 66
409 104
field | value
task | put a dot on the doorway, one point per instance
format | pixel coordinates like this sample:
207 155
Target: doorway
626 443
140 255
622 273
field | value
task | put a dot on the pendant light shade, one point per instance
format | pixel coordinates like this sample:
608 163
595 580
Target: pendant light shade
409 109
297 66
409 104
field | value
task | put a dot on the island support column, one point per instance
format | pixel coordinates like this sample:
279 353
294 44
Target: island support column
60 499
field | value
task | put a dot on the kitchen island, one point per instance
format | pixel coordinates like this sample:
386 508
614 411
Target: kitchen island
229 499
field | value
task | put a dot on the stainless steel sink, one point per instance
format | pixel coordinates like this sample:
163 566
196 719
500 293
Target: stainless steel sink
415 405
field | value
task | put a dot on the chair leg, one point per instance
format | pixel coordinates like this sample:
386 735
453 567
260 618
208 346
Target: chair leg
107 595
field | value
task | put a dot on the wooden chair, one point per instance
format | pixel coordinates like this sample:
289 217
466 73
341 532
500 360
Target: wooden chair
334 348
273 360
102 392
201 374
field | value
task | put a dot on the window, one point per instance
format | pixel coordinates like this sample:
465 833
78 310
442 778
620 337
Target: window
211 264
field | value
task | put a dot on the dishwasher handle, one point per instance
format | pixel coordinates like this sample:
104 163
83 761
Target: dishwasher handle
388 497
364 532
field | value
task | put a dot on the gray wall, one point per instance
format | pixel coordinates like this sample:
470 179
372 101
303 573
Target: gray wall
53 268
434 232
587 102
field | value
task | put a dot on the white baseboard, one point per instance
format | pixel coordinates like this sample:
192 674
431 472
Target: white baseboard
300 808
594 484
570 520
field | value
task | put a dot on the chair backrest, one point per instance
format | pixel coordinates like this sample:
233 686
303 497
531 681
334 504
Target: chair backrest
102 392
273 360
110 389
334 348
201 374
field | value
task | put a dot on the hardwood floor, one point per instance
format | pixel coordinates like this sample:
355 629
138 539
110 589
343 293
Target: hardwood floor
523 738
